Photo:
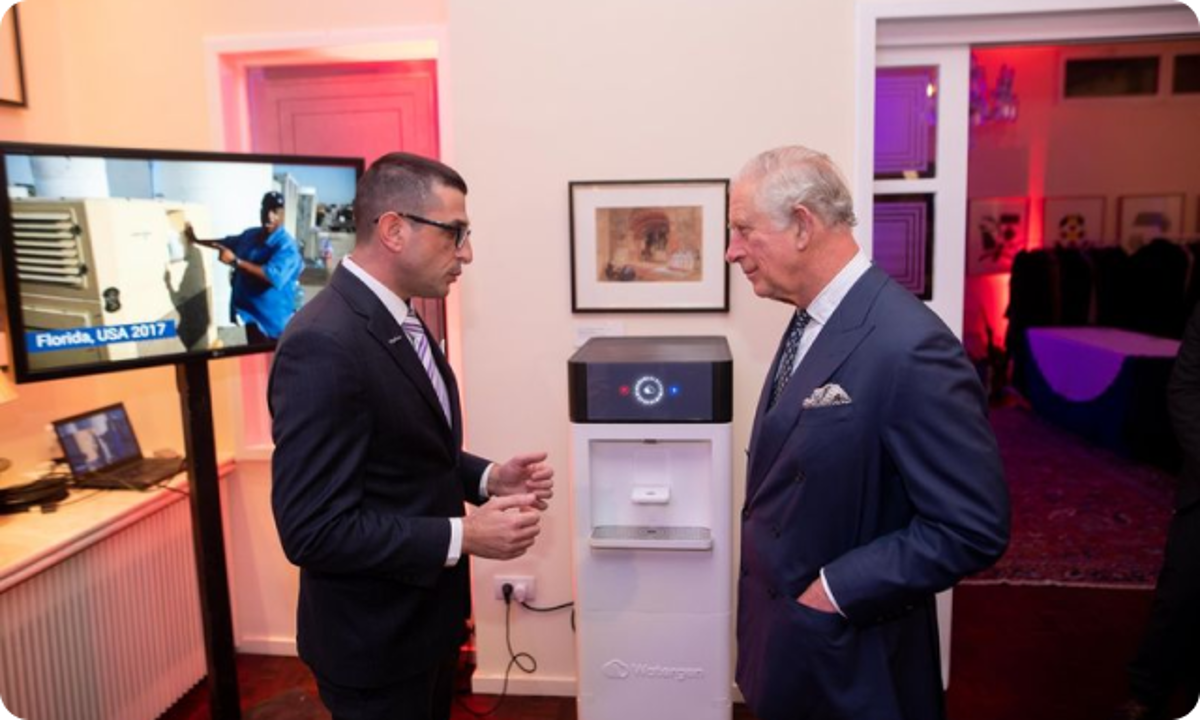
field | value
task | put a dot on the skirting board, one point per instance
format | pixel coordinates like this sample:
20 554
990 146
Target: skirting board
546 686
282 647
550 687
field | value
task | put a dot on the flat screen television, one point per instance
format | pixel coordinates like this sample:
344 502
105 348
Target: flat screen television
121 258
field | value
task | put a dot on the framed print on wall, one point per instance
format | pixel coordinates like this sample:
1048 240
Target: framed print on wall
1073 221
12 65
997 229
1146 217
649 246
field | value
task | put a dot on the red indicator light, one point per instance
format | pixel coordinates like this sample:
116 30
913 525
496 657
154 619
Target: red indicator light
624 391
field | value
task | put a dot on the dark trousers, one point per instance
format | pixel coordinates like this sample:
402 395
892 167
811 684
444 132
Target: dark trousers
426 696
1169 656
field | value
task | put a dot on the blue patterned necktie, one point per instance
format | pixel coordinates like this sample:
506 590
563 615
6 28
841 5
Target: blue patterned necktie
416 335
791 347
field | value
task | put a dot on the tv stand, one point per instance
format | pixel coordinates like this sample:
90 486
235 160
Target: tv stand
195 399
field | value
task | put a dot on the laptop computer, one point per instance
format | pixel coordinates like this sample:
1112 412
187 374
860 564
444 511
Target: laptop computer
103 452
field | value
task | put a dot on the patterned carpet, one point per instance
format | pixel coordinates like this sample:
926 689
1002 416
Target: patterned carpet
1082 515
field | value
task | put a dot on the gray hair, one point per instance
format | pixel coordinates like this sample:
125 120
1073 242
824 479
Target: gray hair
795 175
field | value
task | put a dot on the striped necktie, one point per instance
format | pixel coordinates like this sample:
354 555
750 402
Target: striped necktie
790 349
420 342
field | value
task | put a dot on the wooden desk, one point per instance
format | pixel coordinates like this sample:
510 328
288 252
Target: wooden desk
99 607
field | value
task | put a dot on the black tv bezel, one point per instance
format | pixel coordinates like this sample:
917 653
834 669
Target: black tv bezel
12 295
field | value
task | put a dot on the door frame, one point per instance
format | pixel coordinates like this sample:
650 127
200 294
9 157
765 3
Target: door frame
951 23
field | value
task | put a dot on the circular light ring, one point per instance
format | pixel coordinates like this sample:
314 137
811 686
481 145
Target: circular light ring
648 390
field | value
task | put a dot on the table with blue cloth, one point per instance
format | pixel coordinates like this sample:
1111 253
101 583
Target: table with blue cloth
1106 384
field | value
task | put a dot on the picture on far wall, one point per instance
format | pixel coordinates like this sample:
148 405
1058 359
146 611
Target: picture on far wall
1073 222
997 229
1146 217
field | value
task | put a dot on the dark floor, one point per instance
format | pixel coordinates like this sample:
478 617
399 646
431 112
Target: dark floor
1034 653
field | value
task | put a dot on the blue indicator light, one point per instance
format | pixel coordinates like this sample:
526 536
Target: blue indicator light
674 390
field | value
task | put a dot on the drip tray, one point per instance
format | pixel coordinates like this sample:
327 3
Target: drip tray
651 537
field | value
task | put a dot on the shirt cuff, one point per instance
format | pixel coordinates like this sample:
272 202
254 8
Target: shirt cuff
829 594
455 551
483 493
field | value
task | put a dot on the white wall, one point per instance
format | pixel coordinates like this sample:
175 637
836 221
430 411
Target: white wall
547 92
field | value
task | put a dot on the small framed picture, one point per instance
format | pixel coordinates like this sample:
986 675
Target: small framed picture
1073 221
649 246
997 229
1146 217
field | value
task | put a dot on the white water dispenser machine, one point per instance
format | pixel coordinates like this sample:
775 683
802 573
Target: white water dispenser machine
651 487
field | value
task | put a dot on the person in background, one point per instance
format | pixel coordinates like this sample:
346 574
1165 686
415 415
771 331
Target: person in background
1168 659
266 265
874 480
369 473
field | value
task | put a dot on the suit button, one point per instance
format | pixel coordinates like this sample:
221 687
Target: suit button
745 513
775 532
772 593
799 477
745 572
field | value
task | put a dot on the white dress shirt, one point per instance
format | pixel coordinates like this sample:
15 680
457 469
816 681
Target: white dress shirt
820 310
399 310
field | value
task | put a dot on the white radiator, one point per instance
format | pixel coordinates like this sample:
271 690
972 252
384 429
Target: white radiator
111 633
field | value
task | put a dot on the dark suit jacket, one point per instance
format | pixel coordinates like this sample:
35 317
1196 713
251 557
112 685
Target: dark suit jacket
898 495
1183 402
365 474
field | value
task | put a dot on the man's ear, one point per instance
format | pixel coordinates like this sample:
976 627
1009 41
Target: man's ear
807 225
392 232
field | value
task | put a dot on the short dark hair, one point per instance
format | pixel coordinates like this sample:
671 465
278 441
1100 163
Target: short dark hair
403 182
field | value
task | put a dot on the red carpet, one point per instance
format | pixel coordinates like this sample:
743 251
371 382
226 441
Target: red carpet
1081 515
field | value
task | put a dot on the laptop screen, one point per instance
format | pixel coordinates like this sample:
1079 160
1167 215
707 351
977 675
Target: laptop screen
97 440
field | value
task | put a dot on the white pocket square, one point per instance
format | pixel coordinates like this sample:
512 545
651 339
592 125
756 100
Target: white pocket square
827 396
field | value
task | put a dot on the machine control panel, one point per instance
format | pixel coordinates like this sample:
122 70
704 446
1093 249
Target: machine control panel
651 379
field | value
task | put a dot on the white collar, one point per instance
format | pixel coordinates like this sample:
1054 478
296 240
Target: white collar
823 305
394 304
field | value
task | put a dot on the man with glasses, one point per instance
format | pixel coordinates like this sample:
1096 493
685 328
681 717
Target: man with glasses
369 474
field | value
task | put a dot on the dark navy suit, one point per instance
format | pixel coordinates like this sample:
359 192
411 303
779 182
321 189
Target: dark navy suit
366 472
897 495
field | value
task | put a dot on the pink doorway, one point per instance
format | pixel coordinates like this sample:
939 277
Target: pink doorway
362 110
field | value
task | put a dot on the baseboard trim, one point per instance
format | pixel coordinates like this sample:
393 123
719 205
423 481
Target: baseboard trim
282 647
549 687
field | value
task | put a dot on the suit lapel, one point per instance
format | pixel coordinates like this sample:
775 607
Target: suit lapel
383 327
845 330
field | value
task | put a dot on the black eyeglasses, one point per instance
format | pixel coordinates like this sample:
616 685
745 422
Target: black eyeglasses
460 233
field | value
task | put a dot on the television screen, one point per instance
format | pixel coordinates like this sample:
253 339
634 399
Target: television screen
121 258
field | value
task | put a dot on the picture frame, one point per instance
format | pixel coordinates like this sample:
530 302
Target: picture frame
1073 221
997 229
12 62
902 240
649 245
1143 218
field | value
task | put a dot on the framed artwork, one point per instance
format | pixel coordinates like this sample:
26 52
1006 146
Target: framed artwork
902 240
1146 217
12 65
1073 221
997 229
649 246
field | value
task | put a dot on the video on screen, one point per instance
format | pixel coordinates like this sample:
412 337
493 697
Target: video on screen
121 258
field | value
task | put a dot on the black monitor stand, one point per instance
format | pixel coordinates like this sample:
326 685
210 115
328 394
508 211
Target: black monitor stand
208 538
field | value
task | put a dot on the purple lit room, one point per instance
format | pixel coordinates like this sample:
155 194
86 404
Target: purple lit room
1026 170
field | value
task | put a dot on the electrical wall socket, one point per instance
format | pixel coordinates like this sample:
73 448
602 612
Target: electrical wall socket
524 587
